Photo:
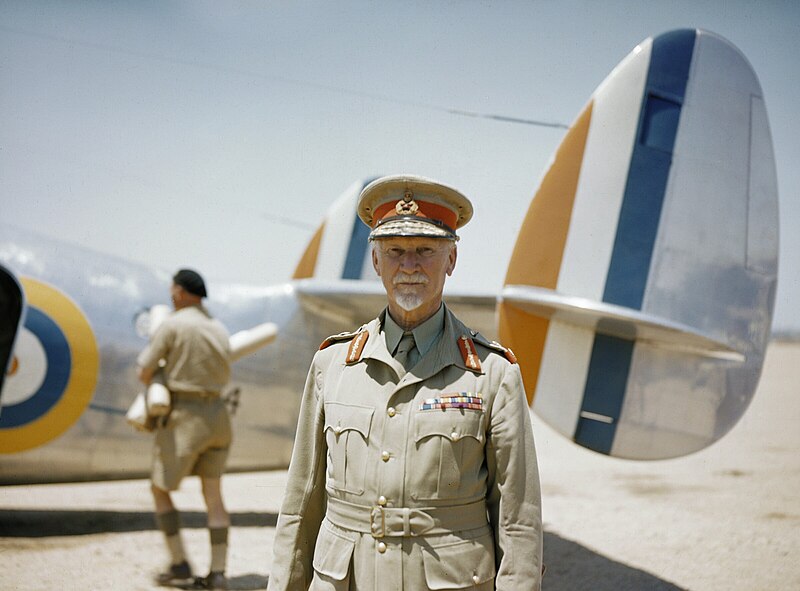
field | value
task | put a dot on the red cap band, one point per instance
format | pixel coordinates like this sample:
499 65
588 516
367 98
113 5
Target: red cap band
426 209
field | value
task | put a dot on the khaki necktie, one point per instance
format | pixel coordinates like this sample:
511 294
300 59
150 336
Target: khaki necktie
407 353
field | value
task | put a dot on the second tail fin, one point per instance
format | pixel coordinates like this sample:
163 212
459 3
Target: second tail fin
339 248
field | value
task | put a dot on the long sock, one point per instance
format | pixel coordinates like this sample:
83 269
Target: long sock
169 524
219 548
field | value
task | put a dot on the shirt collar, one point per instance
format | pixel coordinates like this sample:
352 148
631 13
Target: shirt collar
425 334
192 309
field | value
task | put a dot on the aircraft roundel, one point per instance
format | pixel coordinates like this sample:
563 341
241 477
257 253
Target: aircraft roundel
55 370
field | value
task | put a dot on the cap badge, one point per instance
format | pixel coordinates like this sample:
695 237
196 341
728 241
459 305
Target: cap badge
407 206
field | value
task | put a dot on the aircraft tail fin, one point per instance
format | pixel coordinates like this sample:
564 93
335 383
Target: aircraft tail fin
640 292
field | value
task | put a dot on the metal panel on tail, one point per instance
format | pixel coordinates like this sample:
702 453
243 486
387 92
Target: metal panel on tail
674 218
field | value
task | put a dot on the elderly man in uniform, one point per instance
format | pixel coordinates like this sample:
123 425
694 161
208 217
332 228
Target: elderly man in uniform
414 465
193 350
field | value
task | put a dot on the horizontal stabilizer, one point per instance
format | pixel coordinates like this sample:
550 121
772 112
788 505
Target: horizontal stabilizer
616 321
355 302
361 301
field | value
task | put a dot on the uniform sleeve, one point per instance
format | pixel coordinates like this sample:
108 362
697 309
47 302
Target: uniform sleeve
305 501
158 348
513 496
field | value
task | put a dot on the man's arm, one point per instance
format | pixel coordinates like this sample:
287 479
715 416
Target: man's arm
148 361
303 506
514 497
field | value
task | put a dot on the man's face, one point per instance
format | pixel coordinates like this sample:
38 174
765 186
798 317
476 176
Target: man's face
413 271
176 293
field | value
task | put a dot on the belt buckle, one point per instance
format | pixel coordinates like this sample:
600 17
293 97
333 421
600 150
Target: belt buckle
377 522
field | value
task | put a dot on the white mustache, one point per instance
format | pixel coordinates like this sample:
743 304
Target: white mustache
413 278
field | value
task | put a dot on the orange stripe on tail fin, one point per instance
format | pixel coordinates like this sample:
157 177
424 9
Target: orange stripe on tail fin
536 259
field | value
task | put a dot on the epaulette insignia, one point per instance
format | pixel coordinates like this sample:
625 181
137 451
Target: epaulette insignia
468 352
356 347
495 346
505 351
338 338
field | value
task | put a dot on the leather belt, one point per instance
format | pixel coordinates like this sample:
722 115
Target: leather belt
405 522
204 396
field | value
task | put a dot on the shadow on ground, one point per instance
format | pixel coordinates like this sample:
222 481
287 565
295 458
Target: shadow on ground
570 566
25 523
248 582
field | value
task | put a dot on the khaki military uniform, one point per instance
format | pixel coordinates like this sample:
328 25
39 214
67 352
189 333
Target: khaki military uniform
195 348
196 437
418 480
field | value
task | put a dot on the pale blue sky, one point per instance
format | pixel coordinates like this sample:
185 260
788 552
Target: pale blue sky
183 133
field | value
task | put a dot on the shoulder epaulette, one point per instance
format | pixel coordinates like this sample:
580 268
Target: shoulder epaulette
342 337
495 346
358 339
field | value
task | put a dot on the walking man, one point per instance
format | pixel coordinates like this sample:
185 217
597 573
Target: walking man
192 350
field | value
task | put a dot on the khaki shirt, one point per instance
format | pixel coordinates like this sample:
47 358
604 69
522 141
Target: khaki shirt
196 350
386 493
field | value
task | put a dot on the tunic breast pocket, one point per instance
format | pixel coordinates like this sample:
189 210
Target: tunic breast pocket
347 434
448 446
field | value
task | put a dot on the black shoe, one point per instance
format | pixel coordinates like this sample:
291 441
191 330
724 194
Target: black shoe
177 573
214 580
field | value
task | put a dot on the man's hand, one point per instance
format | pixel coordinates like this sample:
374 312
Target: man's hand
145 375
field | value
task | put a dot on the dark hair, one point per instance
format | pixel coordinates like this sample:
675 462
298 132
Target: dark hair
191 281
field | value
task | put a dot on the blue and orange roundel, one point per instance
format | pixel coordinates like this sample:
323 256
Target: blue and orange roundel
54 372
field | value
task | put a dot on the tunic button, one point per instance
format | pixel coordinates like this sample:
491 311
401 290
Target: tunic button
454 436
391 412
382 501
381 547
476 579
337 429
385 456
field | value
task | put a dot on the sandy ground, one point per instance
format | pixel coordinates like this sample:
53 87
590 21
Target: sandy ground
727 518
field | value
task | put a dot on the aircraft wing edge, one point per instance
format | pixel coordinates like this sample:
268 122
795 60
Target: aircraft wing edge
617 321
361 301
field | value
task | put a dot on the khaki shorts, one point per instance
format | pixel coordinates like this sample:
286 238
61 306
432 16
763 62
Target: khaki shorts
195 440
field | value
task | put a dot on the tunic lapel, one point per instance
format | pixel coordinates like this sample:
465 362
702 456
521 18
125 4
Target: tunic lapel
376 347
443 354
